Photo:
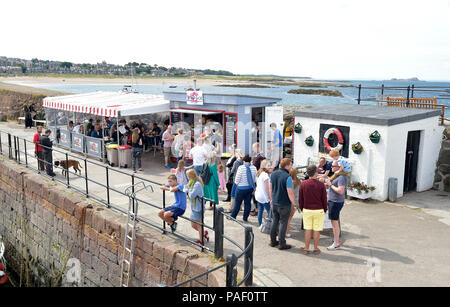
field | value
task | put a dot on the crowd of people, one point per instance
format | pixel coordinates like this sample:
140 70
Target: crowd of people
263 185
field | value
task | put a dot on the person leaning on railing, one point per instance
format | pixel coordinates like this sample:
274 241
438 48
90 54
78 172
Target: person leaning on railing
38 148
47 144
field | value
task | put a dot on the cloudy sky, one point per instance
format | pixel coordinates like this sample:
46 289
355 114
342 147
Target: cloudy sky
336 39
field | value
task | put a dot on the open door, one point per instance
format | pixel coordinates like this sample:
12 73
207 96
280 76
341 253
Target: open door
412 157
273 114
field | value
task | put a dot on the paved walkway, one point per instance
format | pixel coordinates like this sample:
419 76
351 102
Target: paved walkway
384 244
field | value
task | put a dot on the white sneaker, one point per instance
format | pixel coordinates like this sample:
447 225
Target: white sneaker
288 235
334 246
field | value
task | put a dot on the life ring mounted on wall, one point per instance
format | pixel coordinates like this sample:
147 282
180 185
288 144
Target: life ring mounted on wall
3 275
338 133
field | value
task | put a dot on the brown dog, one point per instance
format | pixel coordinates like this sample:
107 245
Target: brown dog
72 163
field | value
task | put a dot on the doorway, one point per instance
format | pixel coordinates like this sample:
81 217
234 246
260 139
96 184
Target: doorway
412 157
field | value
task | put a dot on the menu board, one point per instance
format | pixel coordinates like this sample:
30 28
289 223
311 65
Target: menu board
176 117
230 129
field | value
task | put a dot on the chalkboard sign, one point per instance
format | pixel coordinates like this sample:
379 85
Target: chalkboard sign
332 140
230 129
176 117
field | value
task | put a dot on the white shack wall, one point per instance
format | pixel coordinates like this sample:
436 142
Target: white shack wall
379 161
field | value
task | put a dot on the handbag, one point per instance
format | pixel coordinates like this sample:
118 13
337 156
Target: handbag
266 224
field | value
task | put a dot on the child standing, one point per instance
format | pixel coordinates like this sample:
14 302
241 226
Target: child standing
194 190
221 172
344 166
180 173
171 213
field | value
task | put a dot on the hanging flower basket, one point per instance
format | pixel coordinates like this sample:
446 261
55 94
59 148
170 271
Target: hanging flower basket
357 148
375 137
298 128
309 140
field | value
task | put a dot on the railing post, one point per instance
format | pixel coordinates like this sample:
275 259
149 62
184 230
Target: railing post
10 145
26 154
15 148
382 89
132 190
107 184
164 206
203 223
412 91
86 177
67 169
248 260
18 149
231 271
359 94
407 96
218 233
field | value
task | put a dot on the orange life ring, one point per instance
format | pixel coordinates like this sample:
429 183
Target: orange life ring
4 278
338 133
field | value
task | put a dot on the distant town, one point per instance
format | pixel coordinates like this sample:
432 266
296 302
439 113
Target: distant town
16 66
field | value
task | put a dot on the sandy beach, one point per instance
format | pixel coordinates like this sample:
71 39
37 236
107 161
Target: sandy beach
30 81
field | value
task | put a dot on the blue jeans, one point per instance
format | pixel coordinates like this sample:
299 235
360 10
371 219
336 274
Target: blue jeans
261 207
198 169
136 154
246 196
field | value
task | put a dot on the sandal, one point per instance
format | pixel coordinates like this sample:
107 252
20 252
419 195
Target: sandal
316 252
199 242
304 251
206 236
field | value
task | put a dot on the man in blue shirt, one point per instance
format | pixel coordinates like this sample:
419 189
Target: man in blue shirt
277 145
282 198
97 132
171 213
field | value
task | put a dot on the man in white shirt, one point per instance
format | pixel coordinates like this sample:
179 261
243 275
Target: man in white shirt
199 155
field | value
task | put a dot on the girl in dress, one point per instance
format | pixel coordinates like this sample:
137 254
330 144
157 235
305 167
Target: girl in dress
180 172
222 187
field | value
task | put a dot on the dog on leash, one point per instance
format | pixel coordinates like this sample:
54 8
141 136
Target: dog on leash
71 163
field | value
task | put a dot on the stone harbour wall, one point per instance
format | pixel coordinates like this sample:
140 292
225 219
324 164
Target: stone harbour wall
54 236
442 175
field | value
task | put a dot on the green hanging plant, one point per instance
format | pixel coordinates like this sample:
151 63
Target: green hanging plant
375 137
357 148
298 128
309 140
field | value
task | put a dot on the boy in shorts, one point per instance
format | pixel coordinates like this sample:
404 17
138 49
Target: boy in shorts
170 214
344 166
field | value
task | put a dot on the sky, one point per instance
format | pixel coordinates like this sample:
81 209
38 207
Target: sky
323 39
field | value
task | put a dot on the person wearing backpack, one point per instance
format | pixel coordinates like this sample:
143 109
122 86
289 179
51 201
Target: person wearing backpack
210 179
245 185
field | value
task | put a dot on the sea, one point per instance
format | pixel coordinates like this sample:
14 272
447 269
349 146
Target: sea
423 89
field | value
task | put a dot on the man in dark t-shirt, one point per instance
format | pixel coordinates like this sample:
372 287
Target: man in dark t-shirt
313 204
336 198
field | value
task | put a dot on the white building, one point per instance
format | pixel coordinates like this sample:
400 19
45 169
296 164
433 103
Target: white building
408 148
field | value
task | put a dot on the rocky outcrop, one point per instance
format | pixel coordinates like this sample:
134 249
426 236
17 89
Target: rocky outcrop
442 176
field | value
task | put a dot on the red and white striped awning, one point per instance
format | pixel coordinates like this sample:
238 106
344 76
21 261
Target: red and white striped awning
110 104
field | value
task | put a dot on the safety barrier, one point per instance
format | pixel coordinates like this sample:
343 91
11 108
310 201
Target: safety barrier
18 150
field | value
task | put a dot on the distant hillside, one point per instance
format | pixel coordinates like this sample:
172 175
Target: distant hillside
409 79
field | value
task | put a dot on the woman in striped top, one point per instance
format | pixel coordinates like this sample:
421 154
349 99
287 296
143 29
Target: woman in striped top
245 185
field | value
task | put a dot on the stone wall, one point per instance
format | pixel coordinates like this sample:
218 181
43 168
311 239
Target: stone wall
49 231
442 177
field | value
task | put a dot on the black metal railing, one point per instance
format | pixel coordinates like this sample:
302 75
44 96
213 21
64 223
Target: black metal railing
408 91
15 152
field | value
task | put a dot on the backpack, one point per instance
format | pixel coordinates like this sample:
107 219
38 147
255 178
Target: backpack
205 174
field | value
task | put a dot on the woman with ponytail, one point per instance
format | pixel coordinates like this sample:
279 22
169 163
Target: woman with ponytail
137 145
194 191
